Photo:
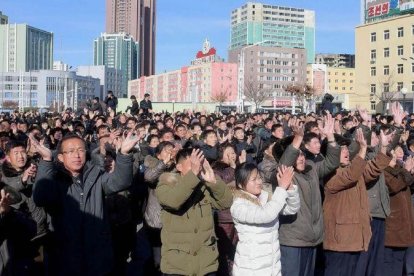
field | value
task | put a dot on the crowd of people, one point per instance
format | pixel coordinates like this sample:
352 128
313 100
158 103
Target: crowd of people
98 191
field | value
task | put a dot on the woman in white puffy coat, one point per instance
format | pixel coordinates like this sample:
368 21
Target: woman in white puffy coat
255 215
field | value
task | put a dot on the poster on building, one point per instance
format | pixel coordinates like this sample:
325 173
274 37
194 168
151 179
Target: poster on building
380 9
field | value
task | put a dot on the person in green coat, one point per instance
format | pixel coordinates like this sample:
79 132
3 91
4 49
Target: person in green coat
189 244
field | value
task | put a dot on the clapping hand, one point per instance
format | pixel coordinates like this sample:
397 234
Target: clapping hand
40 148
4 202
197 158
243 157
409 164
208 174
398 113
284 177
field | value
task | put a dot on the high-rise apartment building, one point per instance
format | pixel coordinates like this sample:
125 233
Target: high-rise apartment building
25 48
138 19
118 51
336 60
3 19
385 62
272 25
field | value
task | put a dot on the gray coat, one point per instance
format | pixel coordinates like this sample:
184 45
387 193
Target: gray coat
81 237
306 227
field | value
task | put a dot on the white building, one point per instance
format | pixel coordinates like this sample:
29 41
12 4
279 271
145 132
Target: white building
47 88
110 78
60 66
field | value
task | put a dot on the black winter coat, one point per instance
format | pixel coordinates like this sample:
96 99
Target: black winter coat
81 237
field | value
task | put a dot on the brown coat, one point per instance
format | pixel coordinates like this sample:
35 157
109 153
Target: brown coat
399 225
346 208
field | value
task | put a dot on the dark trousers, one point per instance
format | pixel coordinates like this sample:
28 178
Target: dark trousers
341 263
298 261
371 262
409 262
394 260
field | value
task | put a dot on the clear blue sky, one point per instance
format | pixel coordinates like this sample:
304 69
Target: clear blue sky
182 25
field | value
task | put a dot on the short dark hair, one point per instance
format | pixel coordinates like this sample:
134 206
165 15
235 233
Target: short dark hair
310 125
207 132
151 136
162 146
66 138
276 126
183 154
309 136
223 147
242 174
14 144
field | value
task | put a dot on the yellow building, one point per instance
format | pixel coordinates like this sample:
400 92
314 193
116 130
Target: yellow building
339 82
385 62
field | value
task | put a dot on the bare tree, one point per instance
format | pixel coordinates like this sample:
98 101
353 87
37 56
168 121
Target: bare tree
386 90
10 104
302 93
255 93
221 97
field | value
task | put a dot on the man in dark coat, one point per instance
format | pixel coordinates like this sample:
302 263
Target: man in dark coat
134 110
96 106
111 101
146 104
73 194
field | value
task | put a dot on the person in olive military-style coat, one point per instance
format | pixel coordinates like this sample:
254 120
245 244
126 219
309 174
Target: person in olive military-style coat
189 245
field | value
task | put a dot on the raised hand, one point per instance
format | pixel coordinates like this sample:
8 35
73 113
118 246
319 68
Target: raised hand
398 113
29 172
4 202
297 127
242 157
284 177
129 142
359 137
197 158
41 148
409 164
208 174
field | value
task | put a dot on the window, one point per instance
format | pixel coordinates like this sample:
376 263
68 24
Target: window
412 86
386 34
373 106
400 85
336 81
386 87
8 86
412 67
400 68
400 32
373 55
373 71
412 29
386 70
400 50
412 49
373 89
386 52
373 37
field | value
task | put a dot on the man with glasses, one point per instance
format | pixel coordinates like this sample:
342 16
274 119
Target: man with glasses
73 193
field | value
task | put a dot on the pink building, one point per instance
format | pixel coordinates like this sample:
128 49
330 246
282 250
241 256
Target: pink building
205 80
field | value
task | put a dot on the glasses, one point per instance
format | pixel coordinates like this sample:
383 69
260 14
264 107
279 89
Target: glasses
72 152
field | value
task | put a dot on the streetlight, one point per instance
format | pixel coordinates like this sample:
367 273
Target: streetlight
404 93
240 87
173 102
243 99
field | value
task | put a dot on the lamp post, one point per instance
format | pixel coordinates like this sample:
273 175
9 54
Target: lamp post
243 99
404 93
173 102
240 87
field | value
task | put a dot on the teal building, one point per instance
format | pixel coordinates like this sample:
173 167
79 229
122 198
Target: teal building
268 25
119 51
